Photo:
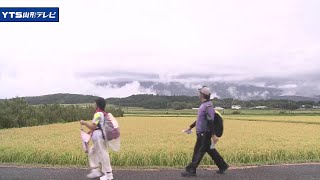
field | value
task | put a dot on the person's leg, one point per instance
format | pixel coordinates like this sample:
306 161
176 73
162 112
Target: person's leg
94 163
218 160
190 167
93 159
104 158
198 153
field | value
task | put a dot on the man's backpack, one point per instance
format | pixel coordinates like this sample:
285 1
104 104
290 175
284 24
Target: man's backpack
217 122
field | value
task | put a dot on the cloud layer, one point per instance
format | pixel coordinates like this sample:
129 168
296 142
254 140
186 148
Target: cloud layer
270 43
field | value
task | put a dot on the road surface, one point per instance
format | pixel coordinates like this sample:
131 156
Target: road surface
282 172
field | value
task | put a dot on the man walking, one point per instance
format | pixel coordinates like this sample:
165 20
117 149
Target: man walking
205 132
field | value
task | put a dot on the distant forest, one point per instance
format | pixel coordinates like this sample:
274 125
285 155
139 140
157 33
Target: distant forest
166 102
188 102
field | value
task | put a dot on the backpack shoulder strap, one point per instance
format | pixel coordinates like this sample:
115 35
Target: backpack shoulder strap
102 121
217 112
207 108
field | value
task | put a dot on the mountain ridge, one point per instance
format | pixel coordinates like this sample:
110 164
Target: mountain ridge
67 98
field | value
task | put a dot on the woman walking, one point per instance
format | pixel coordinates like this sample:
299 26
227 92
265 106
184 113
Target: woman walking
98 153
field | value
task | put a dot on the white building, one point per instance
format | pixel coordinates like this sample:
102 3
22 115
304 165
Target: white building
219 108
261 107
235 107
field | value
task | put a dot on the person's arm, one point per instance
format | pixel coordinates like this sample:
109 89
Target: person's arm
211 113
95 121
89 132
188 130
215 139
193 125
92 126
211 127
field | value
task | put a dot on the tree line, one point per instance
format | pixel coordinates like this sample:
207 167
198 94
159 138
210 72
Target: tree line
166 102
60 99
187 102
17 112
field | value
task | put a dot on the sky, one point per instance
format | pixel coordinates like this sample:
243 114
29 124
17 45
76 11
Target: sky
230 39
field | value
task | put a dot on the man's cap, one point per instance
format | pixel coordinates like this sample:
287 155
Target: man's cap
205 90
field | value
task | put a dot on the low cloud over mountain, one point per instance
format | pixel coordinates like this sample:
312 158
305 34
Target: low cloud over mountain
223 86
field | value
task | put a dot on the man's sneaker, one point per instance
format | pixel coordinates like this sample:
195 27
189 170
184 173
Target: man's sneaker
95 173
222 171
107 176
188 174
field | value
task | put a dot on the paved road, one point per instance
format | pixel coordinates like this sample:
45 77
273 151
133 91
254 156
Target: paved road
284 172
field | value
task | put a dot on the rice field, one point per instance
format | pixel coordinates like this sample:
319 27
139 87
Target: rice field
159 142
137 111
287 119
